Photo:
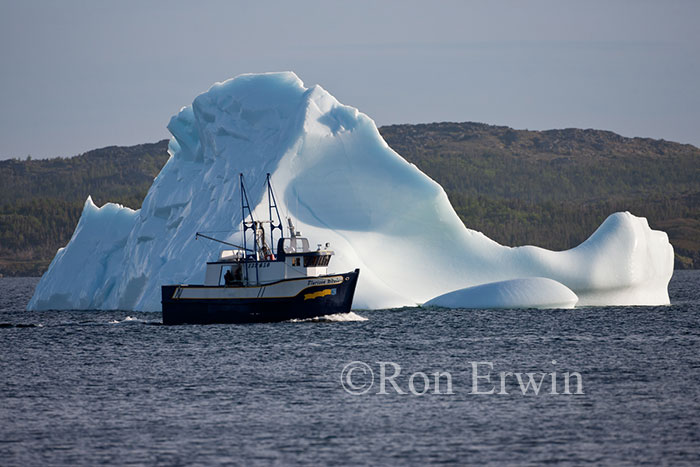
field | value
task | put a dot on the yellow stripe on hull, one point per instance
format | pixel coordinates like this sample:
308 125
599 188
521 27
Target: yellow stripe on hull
320 293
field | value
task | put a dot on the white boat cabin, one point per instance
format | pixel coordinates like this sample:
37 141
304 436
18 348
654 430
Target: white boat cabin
294 259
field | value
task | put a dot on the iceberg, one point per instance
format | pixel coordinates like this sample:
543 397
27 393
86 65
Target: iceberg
339 181
530 292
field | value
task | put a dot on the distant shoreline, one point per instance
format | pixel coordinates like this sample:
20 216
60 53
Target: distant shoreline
546 188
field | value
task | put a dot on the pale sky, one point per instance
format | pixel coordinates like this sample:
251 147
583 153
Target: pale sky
79 75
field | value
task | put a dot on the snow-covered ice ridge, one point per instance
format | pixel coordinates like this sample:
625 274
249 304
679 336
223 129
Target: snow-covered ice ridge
339 181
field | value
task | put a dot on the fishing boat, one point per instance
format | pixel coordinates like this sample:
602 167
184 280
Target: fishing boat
255 283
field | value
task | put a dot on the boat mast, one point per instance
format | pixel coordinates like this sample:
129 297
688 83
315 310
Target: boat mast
252 225
257 227
272 204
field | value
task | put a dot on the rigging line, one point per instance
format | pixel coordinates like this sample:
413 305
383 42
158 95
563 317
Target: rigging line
220 231
197 235
285 209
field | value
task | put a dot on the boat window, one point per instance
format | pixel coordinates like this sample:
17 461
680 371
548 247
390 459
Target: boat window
316 261
231 275
296 245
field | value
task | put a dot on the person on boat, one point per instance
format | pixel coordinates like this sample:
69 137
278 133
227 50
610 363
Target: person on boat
267 253
235 277
228 277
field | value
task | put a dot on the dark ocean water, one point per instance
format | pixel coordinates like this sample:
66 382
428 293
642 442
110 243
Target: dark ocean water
119 388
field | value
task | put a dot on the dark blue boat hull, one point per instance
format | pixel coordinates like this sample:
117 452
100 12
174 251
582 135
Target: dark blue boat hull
326 300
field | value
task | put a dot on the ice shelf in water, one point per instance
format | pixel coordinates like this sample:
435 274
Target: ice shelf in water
529 292
341 183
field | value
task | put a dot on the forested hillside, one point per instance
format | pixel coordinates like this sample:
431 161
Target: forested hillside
41 200
550 188
554 188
